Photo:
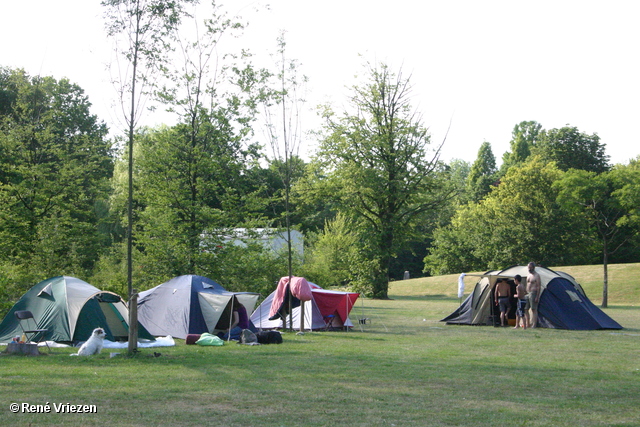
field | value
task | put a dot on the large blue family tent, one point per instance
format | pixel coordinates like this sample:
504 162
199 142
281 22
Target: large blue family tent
189 305
563 302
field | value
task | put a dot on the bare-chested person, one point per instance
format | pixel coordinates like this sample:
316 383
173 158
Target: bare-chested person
522 315
533 288
503 294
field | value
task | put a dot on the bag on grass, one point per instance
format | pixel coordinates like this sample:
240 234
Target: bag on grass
248 337
269 337
192 339
208 339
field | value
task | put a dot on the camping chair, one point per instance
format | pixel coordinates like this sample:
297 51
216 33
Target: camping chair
30 333
328 322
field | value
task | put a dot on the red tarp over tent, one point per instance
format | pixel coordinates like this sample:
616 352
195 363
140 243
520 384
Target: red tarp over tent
335 303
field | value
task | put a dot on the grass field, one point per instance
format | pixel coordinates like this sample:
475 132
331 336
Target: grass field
403 368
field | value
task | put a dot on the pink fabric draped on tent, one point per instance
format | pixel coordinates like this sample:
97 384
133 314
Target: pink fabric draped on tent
327 308
300 289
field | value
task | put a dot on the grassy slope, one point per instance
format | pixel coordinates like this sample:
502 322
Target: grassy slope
624 284
402 368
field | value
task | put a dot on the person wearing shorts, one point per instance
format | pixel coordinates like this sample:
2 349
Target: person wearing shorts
534 287
502 296
522 316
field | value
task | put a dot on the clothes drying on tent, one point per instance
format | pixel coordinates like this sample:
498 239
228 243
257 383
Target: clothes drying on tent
189 304
70 309
563 302
324 304
288 296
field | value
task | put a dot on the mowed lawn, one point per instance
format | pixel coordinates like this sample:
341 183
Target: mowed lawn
402 368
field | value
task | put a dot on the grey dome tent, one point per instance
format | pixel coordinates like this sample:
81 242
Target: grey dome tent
70 309
563 302
189 304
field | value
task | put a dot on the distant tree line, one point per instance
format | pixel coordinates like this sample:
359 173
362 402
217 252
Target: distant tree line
556 201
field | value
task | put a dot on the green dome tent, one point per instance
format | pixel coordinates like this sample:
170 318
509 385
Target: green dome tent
71 309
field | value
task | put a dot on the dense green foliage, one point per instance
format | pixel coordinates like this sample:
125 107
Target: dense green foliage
482 177
571 149
558 202
379 163
523 139
335 252
609 201
55 169
520 220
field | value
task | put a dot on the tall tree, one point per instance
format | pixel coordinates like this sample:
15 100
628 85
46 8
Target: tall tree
520 221
193 174
378 160
196 178
143 31
609 201
482 177
284 137
527 222
572 149
523 139
55 165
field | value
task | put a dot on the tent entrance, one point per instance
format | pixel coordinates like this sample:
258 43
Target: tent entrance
217 307
101 314
494 319
105 311
116 323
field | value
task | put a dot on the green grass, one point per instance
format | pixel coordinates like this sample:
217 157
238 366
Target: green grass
403 368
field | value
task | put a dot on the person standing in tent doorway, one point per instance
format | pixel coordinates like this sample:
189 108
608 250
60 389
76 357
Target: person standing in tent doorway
533 288
522 316
503 295
239 321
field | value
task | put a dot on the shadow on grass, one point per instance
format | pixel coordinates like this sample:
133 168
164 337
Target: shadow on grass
435 297
359 336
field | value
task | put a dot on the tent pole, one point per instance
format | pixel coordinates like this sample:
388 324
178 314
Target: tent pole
344 321
302 316
132 345
364 318
260 308
290 304
230 321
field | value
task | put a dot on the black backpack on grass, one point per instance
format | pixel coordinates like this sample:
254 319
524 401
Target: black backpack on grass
269 337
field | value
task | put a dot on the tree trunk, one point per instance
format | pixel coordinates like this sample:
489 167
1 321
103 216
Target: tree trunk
133 323
380 287
133 315
30 349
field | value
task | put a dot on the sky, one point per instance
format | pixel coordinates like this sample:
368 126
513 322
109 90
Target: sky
477 67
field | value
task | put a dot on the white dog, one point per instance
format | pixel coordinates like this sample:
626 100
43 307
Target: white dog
94 344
